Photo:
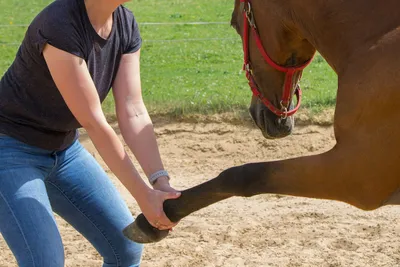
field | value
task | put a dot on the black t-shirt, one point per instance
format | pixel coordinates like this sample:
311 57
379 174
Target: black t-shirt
32 109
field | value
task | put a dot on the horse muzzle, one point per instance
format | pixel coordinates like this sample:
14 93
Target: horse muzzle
271 125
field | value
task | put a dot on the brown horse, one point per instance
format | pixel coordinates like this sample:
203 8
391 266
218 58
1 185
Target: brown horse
360 40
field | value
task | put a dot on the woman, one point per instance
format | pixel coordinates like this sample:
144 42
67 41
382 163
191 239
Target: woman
74 51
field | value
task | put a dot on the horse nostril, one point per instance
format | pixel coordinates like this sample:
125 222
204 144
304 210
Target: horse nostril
284 125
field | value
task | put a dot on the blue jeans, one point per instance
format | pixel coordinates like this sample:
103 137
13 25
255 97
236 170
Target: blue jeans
35 182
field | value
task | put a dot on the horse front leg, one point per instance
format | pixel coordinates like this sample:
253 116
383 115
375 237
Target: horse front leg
335 175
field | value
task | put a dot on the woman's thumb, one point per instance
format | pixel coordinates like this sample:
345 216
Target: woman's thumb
172 195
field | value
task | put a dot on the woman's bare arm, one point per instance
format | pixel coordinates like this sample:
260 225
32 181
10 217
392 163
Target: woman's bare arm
72 78
134 121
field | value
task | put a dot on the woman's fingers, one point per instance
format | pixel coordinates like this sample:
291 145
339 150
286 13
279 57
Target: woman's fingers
162 222
159 219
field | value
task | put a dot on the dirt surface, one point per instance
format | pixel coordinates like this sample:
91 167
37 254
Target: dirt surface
265 230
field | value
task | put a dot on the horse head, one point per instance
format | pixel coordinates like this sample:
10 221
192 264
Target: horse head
275 54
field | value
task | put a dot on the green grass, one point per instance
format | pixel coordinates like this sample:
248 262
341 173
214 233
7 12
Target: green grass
181 76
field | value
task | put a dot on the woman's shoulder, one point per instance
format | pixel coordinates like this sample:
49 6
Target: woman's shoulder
126 15
129 30
60 24
125 10
60 12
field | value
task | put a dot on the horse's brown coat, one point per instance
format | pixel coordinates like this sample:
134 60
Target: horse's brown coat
360 39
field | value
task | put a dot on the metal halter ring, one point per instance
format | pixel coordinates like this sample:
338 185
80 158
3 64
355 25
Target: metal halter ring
284 110
250 17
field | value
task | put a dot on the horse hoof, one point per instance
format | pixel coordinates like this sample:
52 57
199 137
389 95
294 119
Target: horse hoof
141 231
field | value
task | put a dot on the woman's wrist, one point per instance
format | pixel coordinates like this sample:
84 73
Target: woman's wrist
164 180
153 178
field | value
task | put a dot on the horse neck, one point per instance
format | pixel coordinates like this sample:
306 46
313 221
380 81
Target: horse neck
341 30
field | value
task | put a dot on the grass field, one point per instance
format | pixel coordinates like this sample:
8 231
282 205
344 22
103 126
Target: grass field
185 69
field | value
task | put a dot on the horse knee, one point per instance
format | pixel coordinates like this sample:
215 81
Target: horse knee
368 200
367 205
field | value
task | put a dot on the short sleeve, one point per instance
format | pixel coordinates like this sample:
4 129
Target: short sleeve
134 42
54 26
51 36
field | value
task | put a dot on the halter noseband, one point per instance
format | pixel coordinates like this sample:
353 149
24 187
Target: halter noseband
283 112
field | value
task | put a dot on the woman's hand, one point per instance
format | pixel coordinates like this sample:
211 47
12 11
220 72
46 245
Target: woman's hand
151 204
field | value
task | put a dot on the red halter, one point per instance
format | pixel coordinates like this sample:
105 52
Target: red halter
290 71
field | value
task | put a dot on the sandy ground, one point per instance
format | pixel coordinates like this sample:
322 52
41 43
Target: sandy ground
265 230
